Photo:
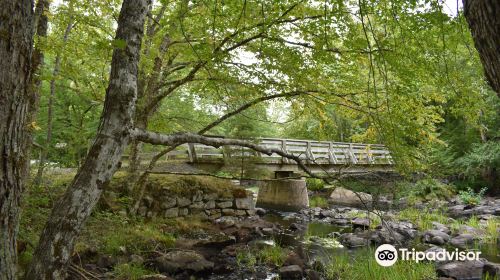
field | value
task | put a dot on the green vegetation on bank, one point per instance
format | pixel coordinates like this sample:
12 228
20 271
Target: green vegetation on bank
361 264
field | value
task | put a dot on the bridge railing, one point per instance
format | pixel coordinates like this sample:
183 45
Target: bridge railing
312 152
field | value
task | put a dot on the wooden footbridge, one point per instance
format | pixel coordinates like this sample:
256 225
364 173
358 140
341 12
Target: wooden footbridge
319 156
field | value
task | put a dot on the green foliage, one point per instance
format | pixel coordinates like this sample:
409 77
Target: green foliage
269 254
470 197
422 218
426 189
362 265
314 184
318 201
130 271
114 234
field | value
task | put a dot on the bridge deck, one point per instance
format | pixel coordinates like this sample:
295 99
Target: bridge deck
319 155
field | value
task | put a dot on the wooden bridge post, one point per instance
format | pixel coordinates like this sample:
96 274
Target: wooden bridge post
352 156
332 159
284 160
369 157
192 153
309 154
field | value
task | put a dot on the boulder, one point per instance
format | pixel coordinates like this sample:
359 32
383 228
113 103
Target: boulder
461 270
342 196
462 241
492 270
436 237
352 241
361 223
441 227
290 272
177 261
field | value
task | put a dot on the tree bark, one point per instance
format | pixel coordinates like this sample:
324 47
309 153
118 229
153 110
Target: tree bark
48 139
70 213
484 23
16 99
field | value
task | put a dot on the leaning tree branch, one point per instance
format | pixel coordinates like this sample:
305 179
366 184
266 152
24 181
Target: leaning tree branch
155 138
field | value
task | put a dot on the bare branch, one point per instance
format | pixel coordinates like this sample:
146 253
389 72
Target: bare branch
182 138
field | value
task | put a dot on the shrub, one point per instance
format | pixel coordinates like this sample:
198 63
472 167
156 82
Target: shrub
425 190
470 197
314 184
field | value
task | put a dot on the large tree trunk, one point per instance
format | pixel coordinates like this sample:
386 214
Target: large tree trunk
484 23
72 210
16 48
50 105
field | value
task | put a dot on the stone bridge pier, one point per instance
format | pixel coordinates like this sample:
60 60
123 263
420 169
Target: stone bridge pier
283 195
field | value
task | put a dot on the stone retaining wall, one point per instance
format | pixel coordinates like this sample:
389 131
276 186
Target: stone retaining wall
202 205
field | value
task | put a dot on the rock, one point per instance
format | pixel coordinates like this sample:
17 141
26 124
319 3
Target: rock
436 237
209 204
197 205
198 196
155 277
210 196
290 272
148 200
456 211
341 222
383 236
461 270
182 201
136 259
295 226
228 212
267 231
226 222
168 202
361 223
436 249
224 204
437 240
244 203
219 240
352 241
441 227
294 259
313 275
260 211
239 212
172 213
183 212
462 241
342 196
327 214
250 212
177 261
106 261
492 270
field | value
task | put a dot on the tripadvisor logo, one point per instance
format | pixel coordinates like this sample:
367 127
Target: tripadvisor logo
387 255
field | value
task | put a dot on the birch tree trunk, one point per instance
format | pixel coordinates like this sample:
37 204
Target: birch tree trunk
70 213
16 50
484 23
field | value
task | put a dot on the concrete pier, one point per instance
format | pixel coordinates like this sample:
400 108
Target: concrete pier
283 195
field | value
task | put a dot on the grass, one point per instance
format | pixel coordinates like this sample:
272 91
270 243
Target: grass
112 234
318 201
274 255
422 218
130 271
362 265
491 228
